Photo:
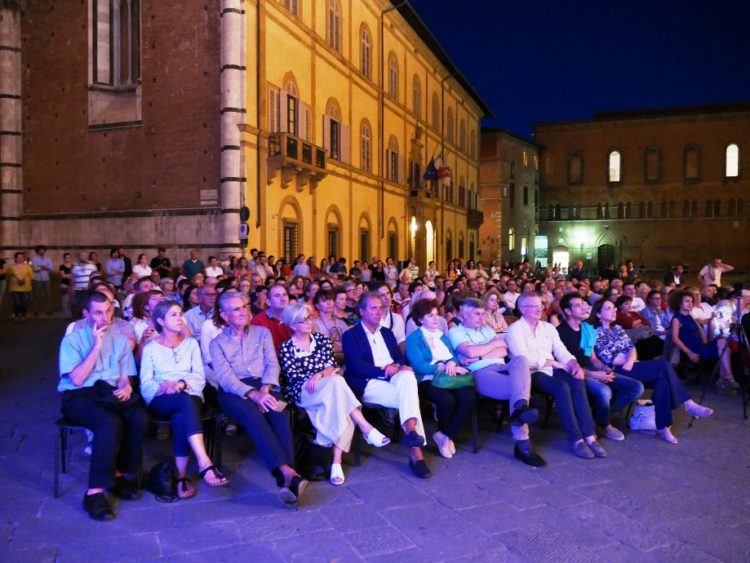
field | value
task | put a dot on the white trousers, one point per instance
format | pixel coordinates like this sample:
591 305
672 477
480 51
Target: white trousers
399 392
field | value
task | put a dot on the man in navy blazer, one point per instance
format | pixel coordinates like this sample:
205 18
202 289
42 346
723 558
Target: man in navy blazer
376 371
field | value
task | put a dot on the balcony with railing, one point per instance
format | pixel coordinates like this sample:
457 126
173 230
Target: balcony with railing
296 160
474 218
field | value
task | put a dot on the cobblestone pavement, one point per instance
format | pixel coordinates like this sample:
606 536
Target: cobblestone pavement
649 501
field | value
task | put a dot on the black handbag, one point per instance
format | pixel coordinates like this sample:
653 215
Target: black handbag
162 481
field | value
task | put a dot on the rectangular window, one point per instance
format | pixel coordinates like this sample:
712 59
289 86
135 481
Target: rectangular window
393 166
335 137
333 241
524 247
291 114
525 195
393 245
364 245
290 231
116 56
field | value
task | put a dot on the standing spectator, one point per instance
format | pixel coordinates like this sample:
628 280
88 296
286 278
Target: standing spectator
94 259
578 272
710 274
674 277
128 271
42 266
192 265
161 263
66 284
391 273
81 273
20 276
142 269
114 268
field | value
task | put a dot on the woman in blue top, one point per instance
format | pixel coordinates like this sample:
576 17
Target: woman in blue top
690 338
615 349
428 351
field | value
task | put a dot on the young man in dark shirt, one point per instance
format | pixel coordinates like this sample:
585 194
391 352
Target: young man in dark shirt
608 391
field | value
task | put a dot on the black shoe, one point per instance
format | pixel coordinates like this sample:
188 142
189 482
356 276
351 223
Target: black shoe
524 415
413 440
98 507
529 458
420 469
292 493
124 489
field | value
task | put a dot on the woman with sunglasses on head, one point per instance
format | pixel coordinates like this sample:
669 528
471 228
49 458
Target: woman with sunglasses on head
313 381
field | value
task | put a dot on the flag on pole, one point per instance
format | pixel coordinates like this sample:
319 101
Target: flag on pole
431 173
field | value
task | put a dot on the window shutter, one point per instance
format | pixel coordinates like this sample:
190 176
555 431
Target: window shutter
303 127
273 109
344 143
327 133
387 172
400 169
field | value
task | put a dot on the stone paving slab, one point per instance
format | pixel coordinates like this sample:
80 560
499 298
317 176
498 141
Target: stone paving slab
648 501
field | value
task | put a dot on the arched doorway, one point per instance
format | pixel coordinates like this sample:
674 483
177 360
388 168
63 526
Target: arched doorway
605 256
429 242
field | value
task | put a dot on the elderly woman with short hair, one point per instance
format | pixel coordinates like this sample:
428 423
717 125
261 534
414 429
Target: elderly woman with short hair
312 380
172 385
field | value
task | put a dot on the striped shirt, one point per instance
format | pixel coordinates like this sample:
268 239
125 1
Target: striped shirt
82 275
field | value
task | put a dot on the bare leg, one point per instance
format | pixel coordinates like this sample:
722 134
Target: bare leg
410 425
359 419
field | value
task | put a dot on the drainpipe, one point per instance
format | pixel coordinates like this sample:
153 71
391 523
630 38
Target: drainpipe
442 155
232 190
381 119
11 173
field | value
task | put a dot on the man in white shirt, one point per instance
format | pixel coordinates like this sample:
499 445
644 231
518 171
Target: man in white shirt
555 372
711 273
213 270
390 320
261 267
376 370
510 296
636 303
484 353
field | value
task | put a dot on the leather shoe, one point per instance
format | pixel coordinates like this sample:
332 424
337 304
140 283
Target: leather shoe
524 415
581 449
529 458
597 449
413 440
420 469
124 489
98 507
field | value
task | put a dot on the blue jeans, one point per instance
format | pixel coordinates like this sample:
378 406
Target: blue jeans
20 303
184 411
571 400
624 389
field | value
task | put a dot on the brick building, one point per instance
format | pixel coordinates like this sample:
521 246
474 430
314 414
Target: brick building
134 123
656 186
509 197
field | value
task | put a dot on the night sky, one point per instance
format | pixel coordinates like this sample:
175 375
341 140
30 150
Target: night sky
547 60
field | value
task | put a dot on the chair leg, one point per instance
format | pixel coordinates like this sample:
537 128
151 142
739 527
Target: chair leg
474 430
500 410
356 447
58 453
64 446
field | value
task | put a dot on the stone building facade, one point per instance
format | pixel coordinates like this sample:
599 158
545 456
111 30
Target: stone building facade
137 124
655 186
509 197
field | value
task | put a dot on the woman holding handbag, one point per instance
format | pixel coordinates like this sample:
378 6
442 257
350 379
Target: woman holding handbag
441 379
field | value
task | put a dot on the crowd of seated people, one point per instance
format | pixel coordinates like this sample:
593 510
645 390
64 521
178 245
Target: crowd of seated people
253 335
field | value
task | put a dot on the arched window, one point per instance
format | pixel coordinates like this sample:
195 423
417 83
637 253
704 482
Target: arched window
393 76
450 128
393 160
416 96
291 115
511 239
620 211
615 167
717 208
335 134
435 112
462 135
473 144
365 59
732 161
652 161
692 162
333 25
365 146
664 209
575 168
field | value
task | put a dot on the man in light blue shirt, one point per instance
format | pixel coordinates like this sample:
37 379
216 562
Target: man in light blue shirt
483 352
40 285
114 267
95 369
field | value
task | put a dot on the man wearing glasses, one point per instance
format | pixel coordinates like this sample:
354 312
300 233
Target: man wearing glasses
555 371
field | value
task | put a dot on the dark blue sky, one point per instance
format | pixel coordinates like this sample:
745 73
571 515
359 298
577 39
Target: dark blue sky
546 60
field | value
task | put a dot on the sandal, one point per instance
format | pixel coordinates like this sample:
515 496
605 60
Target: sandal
185 488
219 479
376 438
337 474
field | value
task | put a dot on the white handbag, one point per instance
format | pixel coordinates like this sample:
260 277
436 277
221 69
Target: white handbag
644 416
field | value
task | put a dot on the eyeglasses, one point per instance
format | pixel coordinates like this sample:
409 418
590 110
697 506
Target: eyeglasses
304 319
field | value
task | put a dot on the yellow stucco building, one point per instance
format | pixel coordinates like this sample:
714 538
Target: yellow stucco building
346 103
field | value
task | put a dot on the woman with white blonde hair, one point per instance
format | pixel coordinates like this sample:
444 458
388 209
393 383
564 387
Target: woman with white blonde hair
312 380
